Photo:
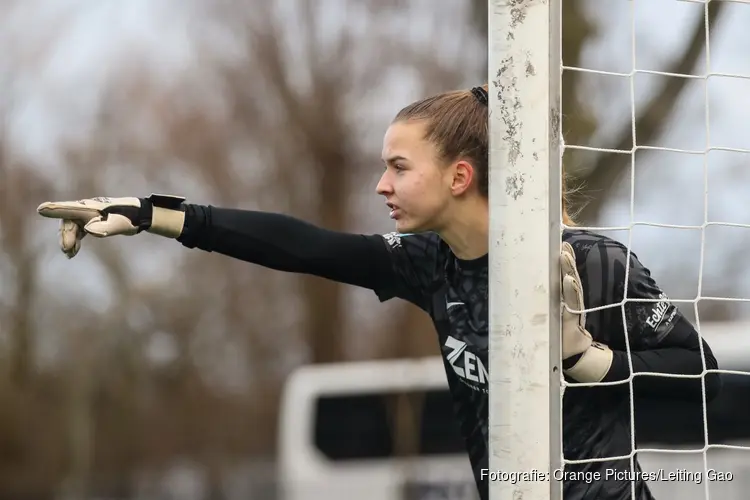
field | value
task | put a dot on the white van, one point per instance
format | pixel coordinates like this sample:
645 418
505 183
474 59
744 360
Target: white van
384 430
348 431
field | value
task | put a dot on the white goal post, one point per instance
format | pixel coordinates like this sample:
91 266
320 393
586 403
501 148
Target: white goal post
524 78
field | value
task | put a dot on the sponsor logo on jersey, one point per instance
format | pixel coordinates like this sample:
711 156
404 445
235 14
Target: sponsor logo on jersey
658 312
467 365
393 239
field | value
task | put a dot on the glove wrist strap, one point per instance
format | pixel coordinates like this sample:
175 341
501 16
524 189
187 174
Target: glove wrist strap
593 365
166 222
165 215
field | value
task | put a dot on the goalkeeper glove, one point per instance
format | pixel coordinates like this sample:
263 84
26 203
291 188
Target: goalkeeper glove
103 217
590 360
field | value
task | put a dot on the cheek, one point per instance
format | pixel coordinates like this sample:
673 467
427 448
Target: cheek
426 192
413 188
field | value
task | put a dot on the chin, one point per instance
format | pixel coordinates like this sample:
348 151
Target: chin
406 226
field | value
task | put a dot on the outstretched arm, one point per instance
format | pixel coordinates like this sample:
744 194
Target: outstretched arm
391 265
288 244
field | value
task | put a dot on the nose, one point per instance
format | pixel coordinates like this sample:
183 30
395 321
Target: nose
384 186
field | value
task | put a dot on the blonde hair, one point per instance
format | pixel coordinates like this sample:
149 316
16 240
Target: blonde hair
457 123
567 218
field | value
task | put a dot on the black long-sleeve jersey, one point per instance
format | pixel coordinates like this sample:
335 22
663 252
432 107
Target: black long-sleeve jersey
422 269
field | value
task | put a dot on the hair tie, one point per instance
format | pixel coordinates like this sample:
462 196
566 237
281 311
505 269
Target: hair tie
481 95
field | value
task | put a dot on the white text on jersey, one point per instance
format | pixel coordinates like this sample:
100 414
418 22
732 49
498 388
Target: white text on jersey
473 371
657 313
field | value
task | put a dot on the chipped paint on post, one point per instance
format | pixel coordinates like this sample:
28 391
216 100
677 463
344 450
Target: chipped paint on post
514 185
505 88
506 82
524 395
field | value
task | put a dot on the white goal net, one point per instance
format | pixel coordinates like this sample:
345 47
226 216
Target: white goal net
696 455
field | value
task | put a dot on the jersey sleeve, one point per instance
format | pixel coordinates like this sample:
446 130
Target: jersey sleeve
647 316
416 265
631 309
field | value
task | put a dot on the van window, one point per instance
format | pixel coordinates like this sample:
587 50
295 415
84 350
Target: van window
384 424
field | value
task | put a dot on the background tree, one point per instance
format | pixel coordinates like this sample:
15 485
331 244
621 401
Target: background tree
139 356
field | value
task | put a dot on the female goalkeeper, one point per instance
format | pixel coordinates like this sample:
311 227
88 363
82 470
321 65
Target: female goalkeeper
435 186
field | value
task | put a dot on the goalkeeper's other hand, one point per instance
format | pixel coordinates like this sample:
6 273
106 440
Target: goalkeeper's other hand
103 217
584 359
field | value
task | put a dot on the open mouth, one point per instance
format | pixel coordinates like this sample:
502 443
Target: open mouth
395 210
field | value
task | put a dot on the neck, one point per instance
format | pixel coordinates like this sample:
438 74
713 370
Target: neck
467 233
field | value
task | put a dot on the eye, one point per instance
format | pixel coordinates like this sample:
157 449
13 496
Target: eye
399 167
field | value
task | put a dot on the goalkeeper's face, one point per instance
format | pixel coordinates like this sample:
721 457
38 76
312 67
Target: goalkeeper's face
418 187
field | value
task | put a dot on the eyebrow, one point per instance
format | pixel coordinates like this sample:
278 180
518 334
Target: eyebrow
393 159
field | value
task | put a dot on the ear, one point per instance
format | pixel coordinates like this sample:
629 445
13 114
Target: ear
463 174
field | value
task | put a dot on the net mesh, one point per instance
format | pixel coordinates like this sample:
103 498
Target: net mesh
710 470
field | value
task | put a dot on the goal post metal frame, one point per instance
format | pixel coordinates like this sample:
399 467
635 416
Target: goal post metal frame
525 166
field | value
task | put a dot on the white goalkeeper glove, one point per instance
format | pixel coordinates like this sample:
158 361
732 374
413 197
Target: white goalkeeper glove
103 217
590 360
